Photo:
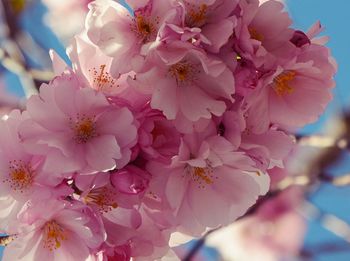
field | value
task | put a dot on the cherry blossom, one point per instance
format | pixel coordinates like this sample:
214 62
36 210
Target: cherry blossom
174 118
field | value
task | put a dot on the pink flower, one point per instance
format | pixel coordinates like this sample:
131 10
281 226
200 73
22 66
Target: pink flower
93 66
130 180
77 129
19 170
247 77
115 208
206 23
158 138
122 36
10 207
63 231
148 242
231 127
185 82
120 253
275 232
302 89
209 178
263 32
151 239
268 149
21 174
255 239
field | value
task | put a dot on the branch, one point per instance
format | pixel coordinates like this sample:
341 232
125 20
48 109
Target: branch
323 248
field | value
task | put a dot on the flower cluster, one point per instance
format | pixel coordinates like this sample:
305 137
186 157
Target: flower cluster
167 124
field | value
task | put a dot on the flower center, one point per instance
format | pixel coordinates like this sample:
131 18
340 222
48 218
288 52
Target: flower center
144 27
103 198
202 176
197 15
21 175
84 129
54 234
183 72
254 34
102 80
281 83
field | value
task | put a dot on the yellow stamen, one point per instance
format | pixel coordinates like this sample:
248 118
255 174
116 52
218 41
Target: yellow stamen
254 34
103 198
54 234
281 83
197 16
183 72
145 27
84 129
202 176
21 175
102 80
201 173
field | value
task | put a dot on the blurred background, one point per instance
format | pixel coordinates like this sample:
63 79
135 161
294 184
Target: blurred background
307 214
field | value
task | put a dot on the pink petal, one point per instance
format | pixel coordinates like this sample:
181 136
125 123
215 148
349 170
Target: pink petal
101 153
